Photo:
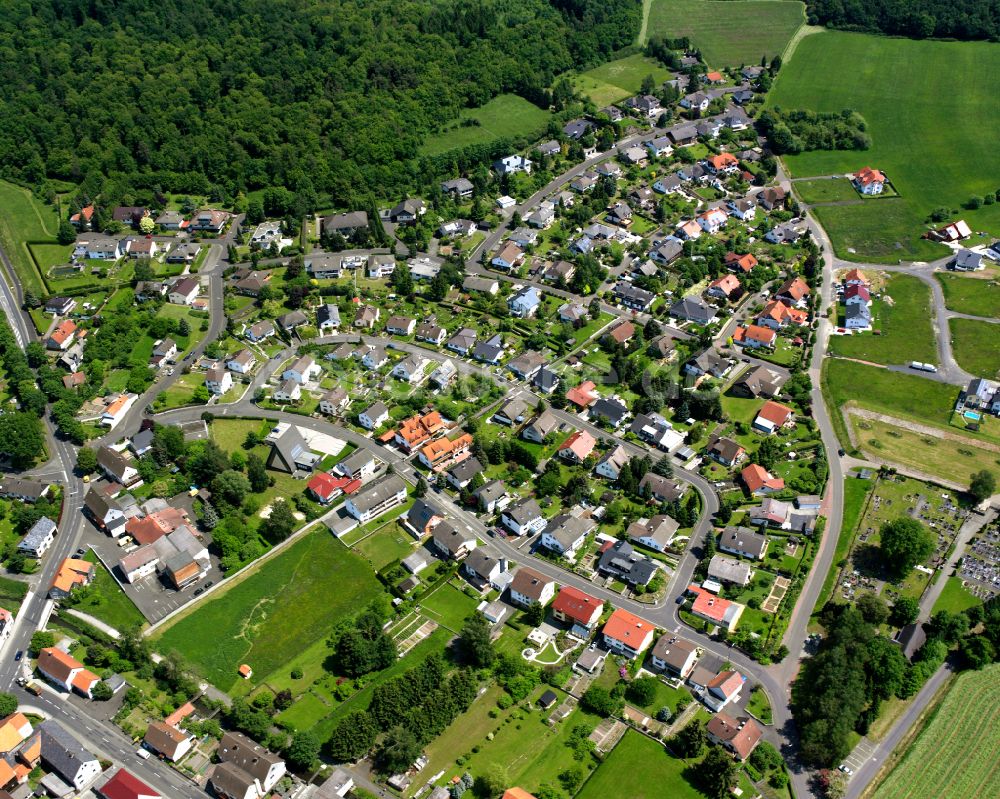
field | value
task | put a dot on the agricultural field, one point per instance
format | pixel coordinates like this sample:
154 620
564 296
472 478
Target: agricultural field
905 324
825 190
277 611
976 346
639 769
971 295
927 97
955 755
505 116
616 80
729 34
24 219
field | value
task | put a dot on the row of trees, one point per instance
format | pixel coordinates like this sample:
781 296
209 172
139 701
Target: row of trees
22 439
944 19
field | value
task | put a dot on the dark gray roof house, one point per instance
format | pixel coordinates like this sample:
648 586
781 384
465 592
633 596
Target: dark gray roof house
693 309
289 453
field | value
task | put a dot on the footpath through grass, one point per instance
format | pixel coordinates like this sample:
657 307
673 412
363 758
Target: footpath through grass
728 32
955 756
279 610
926 104
903 317
505 116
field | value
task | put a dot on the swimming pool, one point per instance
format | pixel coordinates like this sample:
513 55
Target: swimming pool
972 415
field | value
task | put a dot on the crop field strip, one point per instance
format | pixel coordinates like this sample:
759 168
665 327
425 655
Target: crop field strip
955 755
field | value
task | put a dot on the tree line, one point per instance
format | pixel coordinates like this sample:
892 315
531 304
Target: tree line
920 19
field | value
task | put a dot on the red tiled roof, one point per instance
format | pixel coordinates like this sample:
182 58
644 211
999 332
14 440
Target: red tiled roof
868 176
627 628
708 605
745 262
583 395
125 786
775 413
757 477
576 605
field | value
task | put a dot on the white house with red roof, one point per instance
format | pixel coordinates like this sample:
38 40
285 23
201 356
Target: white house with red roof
869 181
723 689
759 480
577 447
579 609
772 417
737 736
627 634
755 336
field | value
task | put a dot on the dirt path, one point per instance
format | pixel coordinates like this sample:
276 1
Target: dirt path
641 39
803 31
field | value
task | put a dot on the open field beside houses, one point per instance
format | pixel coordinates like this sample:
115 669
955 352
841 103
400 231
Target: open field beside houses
975 295
825 190
728 33
505 116
616 80
273 614
903 317
24 219
945 458
925 103
955 756
976 346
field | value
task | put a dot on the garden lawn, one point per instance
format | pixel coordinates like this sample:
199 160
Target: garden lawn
230 434
954 461
954 598
639 768
25 219
288 603
390 543
929 98
728 33
449 606
616 80
825 190
12 593
106 601
955 755
760 706
971 295
976 346
905 325
505 116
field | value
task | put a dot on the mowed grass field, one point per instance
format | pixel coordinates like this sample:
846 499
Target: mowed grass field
971 295
23 218
955 597
904 324
955 756
729 33
926 104
945 458
619 79
269 617
825 190
976 346
639 768
505 116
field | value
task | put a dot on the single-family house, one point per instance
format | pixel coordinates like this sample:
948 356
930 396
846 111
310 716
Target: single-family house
450 542
659 488
460 188
726 288
242 362
565 534
772 417
725 451
729 570
411 369
674 655
759 382
755 337
218 381
738 737
259 331
183 291
693 309
715 609
172 743
577 448
524 304
492 496
512 164
627 634
62 336
509 257
744 542
334 401
530 586
655 533
612 463
869 181
574 607
523 518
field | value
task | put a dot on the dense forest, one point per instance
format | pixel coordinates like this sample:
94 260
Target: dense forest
957 19
328 98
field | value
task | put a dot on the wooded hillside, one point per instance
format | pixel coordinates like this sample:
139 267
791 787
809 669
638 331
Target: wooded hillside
957 19
324 97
